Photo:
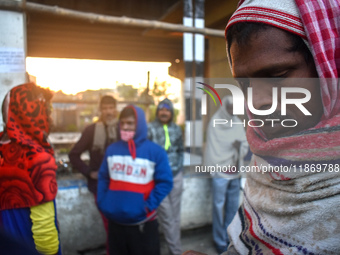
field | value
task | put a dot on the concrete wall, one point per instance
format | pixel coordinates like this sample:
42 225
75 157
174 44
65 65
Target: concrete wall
12 52
81 225
79 221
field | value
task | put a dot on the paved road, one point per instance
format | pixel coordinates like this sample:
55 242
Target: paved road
197 239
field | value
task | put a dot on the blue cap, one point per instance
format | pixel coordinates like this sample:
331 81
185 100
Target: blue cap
164 105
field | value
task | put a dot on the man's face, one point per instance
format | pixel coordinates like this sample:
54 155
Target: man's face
164 115
128 123
267 56
108 112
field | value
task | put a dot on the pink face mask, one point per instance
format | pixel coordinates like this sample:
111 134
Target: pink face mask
127 135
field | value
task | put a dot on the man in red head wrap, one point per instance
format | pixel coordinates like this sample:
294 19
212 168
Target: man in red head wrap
292 195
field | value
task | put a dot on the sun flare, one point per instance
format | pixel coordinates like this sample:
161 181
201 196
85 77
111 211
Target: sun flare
76 75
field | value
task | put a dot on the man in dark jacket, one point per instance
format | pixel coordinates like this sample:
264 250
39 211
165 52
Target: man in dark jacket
95 139
167 134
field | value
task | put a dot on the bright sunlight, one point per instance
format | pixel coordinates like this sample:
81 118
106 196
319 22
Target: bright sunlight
76 75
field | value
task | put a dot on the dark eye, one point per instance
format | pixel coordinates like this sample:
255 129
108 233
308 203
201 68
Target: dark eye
278 79
280 75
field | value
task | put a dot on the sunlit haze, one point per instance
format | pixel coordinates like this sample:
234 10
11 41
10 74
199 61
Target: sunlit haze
75 75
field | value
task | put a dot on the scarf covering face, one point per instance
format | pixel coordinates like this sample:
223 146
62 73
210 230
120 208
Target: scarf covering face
296 212
27 165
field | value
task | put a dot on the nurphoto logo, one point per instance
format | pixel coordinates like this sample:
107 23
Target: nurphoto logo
239 103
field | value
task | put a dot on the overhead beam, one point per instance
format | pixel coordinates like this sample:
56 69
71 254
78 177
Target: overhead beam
105 19
219 12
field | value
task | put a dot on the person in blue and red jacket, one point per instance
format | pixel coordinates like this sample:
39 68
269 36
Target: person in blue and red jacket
133 179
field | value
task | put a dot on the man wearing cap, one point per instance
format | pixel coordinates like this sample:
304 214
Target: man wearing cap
295 210
167 134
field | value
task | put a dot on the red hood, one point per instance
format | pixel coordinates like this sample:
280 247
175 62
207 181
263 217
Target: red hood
28 117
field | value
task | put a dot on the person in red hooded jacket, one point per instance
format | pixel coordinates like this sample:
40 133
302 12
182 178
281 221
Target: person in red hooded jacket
28 183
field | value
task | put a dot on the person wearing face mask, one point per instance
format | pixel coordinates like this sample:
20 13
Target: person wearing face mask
95 139
133 179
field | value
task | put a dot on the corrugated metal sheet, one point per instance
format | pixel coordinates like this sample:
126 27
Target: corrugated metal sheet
67 38
51 36
143 9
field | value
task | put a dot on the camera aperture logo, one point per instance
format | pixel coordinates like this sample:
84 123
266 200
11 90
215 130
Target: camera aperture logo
239 103
204 97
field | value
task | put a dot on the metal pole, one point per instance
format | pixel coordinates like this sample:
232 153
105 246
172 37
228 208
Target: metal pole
147 107
199 74
98 18
188 63
193 82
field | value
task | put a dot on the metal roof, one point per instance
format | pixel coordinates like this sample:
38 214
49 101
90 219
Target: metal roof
61 37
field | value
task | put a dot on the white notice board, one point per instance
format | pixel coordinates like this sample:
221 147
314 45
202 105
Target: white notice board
12 60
